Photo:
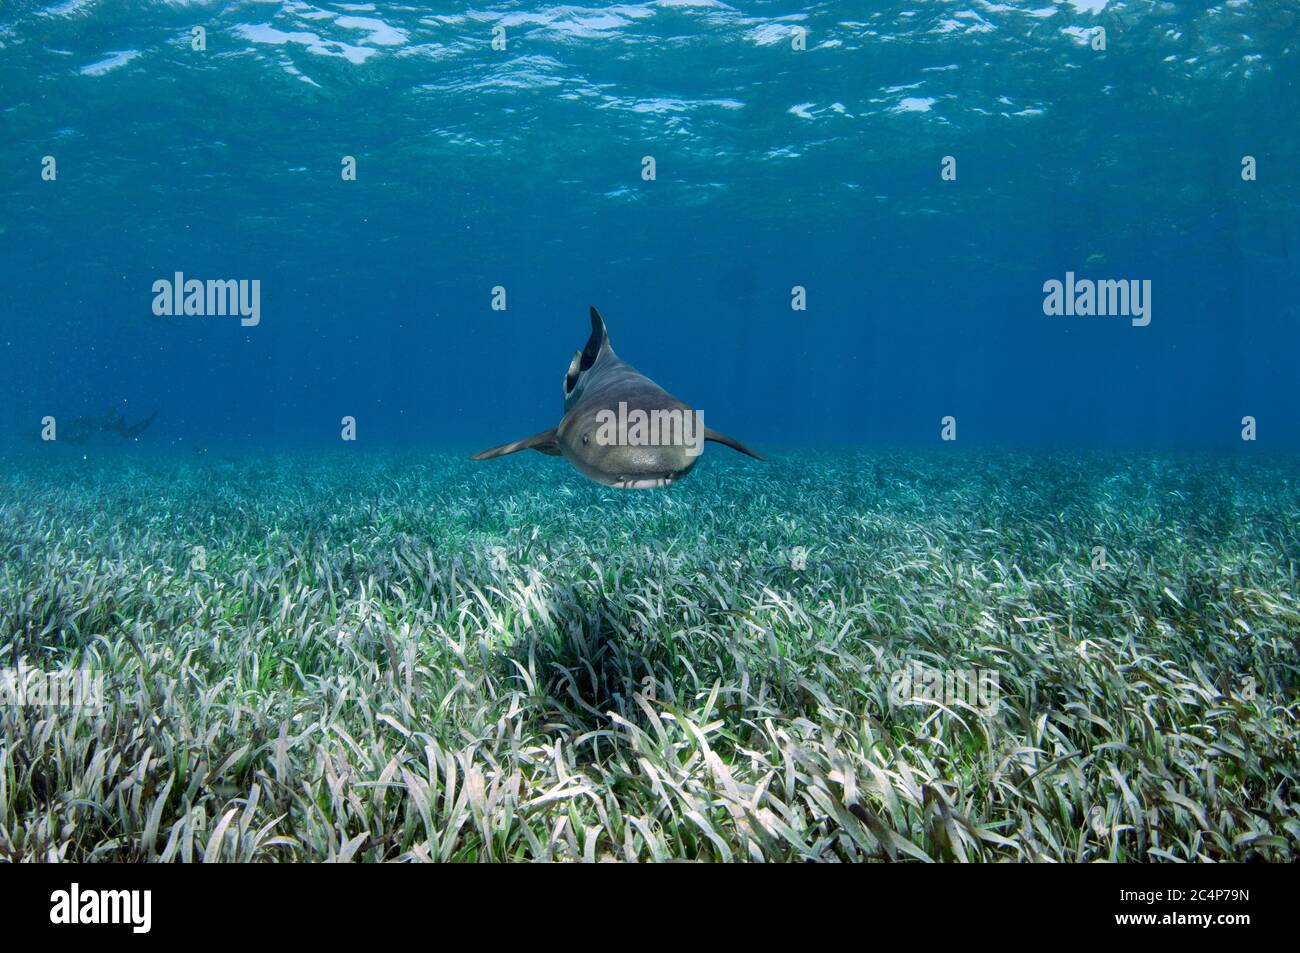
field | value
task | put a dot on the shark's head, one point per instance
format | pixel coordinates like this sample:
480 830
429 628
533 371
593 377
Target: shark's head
601 444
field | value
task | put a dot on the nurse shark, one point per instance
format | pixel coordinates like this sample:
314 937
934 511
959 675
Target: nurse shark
619 427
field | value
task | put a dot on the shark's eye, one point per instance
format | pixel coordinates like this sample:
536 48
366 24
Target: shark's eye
586 438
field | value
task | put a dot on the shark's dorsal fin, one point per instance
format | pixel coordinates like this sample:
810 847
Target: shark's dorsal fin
585 360
574 372
598 341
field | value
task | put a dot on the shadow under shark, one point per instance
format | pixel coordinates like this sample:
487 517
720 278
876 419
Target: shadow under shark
601 389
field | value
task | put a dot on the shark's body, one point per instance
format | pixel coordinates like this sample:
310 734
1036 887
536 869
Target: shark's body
597 386
81 430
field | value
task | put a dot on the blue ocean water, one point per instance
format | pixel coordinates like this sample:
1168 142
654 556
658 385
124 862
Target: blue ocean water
844 231
793 146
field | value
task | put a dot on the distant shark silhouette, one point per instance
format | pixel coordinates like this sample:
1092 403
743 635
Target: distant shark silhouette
80 430
599 389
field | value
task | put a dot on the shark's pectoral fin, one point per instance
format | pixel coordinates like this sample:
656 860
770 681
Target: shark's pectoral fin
722 438
543 442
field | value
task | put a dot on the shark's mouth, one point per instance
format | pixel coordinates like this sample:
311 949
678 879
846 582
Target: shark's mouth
644 483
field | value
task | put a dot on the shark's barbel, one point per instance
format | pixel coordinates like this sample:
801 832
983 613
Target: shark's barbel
598 388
